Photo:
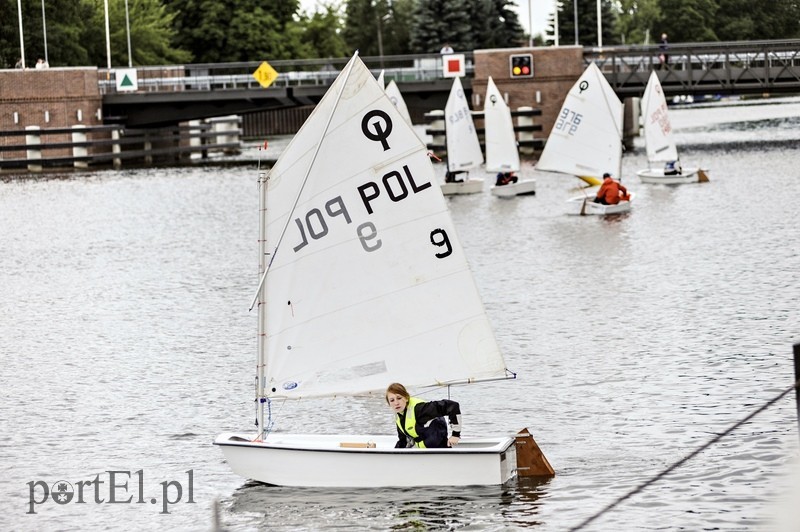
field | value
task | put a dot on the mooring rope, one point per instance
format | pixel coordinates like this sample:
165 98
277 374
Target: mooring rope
685 459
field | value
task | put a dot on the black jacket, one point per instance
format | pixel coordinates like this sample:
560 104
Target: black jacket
430 426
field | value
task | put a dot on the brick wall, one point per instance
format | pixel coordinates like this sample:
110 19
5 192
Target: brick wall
555 70
56 94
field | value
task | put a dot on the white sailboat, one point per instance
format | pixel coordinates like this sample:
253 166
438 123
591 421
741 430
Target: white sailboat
586 140
502 153
393 92
366 284
463 146
659 143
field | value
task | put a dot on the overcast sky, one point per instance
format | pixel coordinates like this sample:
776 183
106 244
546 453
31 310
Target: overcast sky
541 11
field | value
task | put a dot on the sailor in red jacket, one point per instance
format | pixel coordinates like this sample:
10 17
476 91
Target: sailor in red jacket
611 192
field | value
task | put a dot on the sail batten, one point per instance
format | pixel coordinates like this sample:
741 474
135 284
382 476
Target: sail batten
371 285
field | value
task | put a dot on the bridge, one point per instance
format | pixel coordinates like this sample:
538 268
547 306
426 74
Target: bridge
169 94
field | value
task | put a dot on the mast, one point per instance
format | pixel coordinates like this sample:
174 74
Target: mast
261 343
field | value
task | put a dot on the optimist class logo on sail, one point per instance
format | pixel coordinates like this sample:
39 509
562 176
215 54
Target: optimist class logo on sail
398 185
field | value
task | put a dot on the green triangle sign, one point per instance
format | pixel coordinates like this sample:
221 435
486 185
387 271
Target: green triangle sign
126 82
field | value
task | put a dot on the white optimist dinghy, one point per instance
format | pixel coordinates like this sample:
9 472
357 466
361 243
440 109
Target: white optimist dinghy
502 153
366 284
660 145
586 140
463 146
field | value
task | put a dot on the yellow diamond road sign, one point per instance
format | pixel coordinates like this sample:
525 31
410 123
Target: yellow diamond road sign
265 74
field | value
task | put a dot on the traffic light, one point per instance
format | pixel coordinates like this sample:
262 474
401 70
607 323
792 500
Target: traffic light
521 65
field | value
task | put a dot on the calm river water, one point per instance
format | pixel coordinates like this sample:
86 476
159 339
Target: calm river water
127 346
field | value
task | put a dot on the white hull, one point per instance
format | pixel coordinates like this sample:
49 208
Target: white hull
468 186
656 176
311 460
520 188
583 205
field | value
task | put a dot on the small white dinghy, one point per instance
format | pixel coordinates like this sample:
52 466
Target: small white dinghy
463 146
363 283
660 145
502 153
586 140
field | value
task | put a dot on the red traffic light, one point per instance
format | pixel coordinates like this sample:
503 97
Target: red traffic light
521 65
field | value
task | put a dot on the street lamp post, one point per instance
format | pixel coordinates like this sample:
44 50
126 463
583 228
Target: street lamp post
108 40
530 23
21 40
44 31
128 31
380 35
574 19
599 26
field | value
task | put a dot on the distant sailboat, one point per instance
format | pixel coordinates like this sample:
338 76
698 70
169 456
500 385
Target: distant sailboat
586 139
363 282
393 92
659 143
502 153
463 146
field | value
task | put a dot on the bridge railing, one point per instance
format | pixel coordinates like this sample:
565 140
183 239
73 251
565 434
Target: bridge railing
291 73
699 67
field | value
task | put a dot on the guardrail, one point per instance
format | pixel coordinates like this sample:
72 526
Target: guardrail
291 73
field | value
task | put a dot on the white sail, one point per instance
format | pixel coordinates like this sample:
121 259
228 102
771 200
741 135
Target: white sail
463 146
393 92
381 82
502 154
368 284
586 139
657 127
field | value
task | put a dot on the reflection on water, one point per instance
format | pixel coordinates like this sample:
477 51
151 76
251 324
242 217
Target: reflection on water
127 345
476 507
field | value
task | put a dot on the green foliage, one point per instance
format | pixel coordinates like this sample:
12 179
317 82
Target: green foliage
151 33
687 20
777 19
254 30
322 33
635 20
465 25
587 22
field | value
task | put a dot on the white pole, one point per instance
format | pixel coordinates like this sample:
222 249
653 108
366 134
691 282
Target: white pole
21 40
108 39
128 30
44 30
530 24
575 20
599 26
556 24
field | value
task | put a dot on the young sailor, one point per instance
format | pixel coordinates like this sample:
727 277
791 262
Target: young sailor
611 192
420 423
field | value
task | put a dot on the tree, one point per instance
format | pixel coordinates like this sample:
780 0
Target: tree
635 19
238 30
322 33
779 19
441 21
151 33
587 22
689 20
361 22
65 21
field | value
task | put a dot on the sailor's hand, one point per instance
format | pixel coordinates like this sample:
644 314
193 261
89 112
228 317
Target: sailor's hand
452 441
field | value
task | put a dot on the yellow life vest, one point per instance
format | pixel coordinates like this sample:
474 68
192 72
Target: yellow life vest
411 422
